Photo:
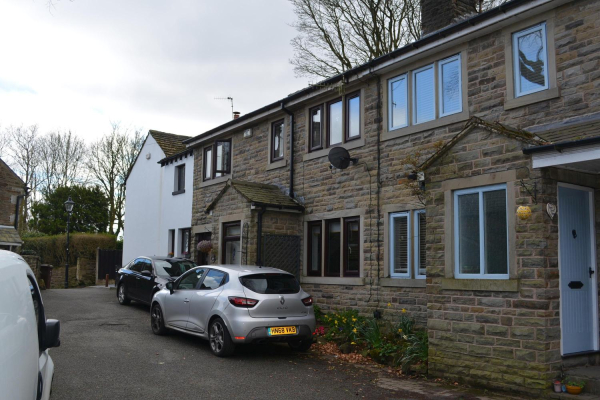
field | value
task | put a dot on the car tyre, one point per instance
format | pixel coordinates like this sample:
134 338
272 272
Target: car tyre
301 345
122 295
157 320
220 341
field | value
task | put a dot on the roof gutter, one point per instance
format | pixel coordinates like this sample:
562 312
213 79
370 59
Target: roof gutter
559 147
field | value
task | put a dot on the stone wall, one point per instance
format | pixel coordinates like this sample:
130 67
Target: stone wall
86 271
58 277
10 187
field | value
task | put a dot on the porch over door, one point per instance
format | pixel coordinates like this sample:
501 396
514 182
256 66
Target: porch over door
577 270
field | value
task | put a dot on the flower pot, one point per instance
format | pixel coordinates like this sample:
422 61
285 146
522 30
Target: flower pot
557 386
574 389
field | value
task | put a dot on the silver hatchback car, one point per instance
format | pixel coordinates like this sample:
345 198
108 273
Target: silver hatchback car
231 304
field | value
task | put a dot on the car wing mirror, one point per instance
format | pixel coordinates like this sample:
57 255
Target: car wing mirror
146 273
52 334
169 286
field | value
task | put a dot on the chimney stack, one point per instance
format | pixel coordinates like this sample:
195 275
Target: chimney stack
438 14
236 114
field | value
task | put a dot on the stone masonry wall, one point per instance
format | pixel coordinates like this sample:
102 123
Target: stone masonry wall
10 187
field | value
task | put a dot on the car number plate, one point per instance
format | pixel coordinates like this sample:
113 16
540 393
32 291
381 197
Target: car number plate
282 330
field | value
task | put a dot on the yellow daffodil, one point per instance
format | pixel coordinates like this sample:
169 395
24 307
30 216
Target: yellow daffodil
404 310
353 343
399 330
389 304
354 319
336 322
354 330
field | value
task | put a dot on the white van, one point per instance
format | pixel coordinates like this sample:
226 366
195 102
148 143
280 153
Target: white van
26 369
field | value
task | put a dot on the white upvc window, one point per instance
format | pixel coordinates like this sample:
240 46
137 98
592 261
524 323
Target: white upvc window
530 58
423 94
420 244
450 86
398 102
407 244
481 233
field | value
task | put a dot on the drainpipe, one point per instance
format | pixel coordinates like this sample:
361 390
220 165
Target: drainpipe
291 114
17 208
261 211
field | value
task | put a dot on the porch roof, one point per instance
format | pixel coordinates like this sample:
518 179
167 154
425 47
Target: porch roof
572 145
258 194
9 236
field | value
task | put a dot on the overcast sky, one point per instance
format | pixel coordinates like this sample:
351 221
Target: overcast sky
150 64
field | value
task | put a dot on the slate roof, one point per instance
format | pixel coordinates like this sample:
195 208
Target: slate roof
170 143
258 193
8 234
572 132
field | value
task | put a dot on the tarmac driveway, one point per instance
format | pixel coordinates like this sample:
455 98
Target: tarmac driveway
108 351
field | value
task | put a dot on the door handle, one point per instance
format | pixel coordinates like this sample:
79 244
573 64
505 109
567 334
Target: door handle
137 277
186 301
591 272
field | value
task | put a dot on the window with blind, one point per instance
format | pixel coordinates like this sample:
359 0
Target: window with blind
407 244
415 97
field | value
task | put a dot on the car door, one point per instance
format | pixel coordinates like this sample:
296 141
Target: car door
177 304
203 299
130 278
145 283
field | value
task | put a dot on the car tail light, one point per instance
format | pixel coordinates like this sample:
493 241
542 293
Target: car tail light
243 302
308 301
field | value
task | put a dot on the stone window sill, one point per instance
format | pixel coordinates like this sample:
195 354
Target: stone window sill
322 280
277 164
532 98
215 181
484 285
354 144
178 192
436 123
399 282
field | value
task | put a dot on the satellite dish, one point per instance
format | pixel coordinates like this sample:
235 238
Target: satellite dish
340 158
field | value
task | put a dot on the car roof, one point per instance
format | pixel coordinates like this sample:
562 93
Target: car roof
164 258
248 269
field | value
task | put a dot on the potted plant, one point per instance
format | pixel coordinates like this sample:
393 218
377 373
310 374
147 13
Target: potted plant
573 386
204 246
557 385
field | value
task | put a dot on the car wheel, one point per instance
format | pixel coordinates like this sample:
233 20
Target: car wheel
157 320
220 341
122 295
301 345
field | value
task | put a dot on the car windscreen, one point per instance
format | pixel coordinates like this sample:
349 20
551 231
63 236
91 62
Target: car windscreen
172 268
271 283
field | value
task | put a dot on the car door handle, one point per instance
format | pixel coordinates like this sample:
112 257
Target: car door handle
137 277
186 301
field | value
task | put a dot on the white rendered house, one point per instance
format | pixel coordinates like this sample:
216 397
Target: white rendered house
158 208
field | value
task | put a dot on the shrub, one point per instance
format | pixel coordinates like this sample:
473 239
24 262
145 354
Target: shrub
417 349
343 326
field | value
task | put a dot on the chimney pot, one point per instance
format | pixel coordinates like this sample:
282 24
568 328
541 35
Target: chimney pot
236 114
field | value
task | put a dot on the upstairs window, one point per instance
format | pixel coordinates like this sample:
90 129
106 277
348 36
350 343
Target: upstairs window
412 96
217 160
530 60
334 123
277 129
481 233
179 179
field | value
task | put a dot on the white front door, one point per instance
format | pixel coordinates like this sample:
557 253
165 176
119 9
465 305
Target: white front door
577 263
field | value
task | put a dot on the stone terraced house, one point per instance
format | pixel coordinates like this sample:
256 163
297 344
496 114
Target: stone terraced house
451 135
12 193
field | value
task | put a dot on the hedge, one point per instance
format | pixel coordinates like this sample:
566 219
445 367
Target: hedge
53 249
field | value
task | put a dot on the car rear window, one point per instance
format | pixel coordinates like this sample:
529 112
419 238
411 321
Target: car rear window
271 283
172 268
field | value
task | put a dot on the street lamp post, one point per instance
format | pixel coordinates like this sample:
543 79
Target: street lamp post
69 208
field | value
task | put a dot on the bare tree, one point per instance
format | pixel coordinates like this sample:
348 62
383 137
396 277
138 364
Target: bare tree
4 141
109 161
24 158
337 35
62 155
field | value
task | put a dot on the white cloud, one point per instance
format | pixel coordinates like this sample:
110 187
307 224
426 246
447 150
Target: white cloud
154 64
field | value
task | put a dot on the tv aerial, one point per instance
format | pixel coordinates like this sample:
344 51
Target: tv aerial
230 99
340 158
